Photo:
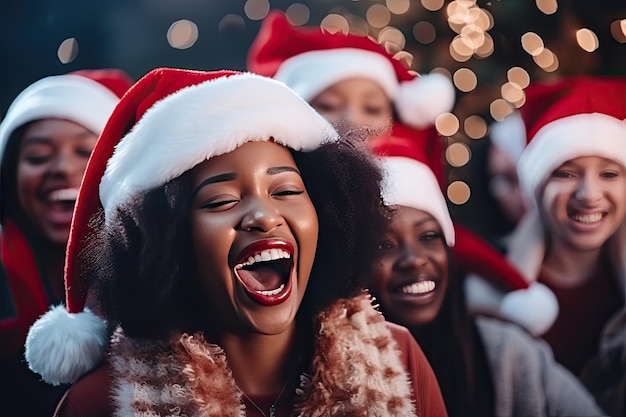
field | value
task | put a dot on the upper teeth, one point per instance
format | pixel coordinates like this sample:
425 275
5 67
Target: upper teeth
419 287
66 194
588 218
267 255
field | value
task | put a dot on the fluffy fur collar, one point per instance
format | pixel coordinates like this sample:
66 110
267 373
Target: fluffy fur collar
356 371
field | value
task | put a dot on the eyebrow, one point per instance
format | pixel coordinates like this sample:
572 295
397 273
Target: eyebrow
278 170
230 176
430 218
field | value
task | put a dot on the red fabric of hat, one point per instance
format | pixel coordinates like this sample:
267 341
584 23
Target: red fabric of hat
310 60
114 79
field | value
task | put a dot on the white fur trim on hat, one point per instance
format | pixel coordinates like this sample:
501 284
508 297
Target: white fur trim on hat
420 101
62 347
509 135
535 308
410 183
203 121
310 73
71 97
588 134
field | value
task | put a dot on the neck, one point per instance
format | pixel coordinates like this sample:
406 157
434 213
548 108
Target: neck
566 267
261 364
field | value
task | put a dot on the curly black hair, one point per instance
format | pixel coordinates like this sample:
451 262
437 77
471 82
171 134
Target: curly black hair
140 262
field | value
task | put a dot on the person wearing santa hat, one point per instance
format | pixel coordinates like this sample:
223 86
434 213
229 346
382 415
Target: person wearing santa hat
226 246
485 366
351 80
46 138
573 171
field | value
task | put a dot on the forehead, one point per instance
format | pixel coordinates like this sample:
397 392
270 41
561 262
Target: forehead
353 87
249 156
592 162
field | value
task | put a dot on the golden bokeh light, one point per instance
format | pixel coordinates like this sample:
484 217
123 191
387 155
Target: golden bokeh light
424 32
432 5
398 6
465 79
511 92
68 51
334 23
182 34
458 192
378 16
231 21
472 36
256 9
486 48
405 57
547 6
547 60
358 25
392 35
499 109
618 30
475 127
447 124
298 14
519 76
458 13
460 48
458 154
532 43
587 40
482 18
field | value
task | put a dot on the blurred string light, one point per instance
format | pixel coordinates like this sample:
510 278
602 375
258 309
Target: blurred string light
392 35
471 23
618 30
465 79
587 40
457 154
458 192
543 57
447 124
334 23
378 16
182 34
231 21
256 9
424 32
68 51
398 6
432 5
547 6
298 14
499 109
518 76
475 127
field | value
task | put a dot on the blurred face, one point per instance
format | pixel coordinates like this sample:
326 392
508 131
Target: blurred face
410 273
52 158
504 185
584 201
355 106
254 231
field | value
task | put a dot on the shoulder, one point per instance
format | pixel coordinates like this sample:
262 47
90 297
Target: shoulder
88 396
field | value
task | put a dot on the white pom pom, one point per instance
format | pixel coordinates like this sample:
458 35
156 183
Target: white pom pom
534 308
61 346
422 99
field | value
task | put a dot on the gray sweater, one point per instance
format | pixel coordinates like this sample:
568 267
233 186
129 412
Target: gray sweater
527 381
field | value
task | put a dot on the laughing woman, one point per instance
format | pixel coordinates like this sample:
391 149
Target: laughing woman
226 249
485 366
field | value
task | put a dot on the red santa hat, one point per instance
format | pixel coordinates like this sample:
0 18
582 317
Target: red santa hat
574 117
310 60
410 181
86 97
168 122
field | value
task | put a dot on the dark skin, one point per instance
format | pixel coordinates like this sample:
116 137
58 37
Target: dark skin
247 201
410 273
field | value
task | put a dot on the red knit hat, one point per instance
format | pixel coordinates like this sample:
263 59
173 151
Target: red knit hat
407 183
574 117
310 60
168 122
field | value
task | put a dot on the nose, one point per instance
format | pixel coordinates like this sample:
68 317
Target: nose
410 259
261 216
588 189
66 163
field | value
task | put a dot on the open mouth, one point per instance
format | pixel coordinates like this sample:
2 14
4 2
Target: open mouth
416 288
265 273
586 218
60 204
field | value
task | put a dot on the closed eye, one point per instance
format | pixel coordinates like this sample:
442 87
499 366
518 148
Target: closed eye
430 236
215 204
288 193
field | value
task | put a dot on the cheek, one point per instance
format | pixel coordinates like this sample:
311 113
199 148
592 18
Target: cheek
553 195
